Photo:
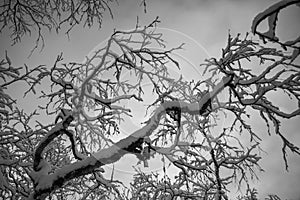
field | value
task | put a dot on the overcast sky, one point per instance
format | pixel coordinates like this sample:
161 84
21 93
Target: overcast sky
204 26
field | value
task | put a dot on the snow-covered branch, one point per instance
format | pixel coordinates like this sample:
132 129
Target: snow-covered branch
112 154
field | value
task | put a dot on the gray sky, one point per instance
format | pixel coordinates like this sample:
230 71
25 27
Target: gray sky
204 26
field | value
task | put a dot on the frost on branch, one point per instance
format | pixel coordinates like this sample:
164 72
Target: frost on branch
17 137
23 18
93 91
280 74
200 128
211 158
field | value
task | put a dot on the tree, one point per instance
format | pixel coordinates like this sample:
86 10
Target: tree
64 159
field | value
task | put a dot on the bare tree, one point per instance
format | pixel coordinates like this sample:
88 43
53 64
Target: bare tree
21 18
64 159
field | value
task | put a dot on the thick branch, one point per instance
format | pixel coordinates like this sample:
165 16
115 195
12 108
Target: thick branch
56 131
114 153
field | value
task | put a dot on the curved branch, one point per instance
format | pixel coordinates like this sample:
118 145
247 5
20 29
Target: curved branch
112 154
272 15
51 135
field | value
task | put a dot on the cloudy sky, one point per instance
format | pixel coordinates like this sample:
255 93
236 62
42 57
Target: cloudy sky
203 25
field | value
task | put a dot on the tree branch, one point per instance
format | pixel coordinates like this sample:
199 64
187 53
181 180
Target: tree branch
112 154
